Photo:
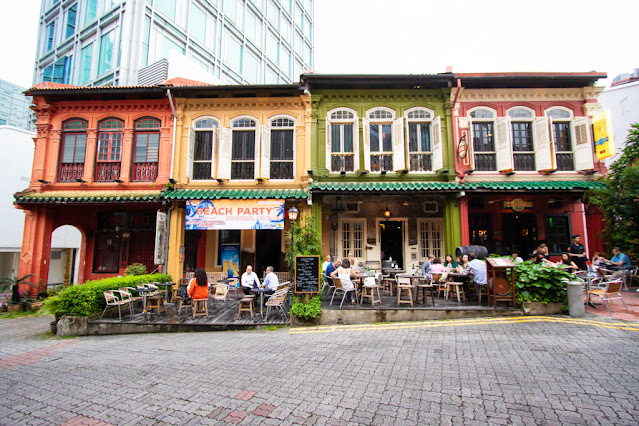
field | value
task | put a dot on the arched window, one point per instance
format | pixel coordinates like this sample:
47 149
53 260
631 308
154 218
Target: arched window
561 131
380 138
521 124
282 131
72 150
146 151
483 134
420 148
342 139
204 148
243 150
109 150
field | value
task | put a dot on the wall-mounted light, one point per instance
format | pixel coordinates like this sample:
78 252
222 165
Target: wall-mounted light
292 213
310 172
119 181
363 172
46 182
383 172
342 172
80 180
260 180
172 181
220 180
387 212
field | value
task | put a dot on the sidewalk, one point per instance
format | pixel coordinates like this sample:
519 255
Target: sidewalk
618 311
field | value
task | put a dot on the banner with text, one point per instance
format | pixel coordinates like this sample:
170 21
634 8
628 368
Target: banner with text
234 214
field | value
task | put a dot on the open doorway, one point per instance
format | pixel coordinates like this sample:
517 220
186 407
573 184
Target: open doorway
520 233
63 260
267 251
391 234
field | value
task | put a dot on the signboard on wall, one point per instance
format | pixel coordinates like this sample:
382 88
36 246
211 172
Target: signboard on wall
604 139
231 260
160 238
234 214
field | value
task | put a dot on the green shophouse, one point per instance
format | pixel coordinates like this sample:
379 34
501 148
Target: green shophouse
382 177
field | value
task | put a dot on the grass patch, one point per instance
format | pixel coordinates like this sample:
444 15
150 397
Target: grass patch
273 327
21 314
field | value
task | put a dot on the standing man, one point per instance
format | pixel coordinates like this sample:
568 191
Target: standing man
270 280
249 280
576 253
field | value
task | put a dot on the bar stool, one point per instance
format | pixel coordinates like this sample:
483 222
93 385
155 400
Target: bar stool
458 288
247 304
368 291
155 302
200 307
404 286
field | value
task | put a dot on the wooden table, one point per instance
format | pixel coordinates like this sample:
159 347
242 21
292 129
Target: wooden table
501 280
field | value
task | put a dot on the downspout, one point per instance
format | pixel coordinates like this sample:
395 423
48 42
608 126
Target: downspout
170 209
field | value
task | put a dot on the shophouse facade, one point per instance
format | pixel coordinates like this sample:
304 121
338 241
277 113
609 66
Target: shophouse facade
102 158
240 164
382 166
525 154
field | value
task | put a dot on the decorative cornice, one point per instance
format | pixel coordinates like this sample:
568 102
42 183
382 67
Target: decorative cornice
592 108
377 97
112 108
521 95
42 130
244 103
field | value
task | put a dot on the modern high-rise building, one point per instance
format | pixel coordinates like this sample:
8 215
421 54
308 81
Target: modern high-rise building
115 42
14 106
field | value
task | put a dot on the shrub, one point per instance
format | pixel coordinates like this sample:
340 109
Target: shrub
307 311
135 269
539 283
88 298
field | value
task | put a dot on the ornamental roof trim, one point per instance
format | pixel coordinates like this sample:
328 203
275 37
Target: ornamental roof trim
87 197
233 194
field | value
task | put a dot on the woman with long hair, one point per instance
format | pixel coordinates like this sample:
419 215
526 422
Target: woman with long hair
199 285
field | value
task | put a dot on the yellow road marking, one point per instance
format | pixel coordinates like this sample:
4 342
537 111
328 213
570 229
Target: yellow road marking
458 323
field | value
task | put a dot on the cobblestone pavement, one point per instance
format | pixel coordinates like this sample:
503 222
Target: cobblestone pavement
544 370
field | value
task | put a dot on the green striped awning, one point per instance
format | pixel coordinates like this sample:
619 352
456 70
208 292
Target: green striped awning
452 186
234 194
88 197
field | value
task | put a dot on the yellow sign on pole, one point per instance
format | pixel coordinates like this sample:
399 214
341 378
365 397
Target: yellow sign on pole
604 138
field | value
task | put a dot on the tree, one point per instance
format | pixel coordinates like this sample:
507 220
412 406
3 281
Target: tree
619 199
304 239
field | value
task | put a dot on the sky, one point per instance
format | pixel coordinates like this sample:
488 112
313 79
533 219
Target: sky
424 36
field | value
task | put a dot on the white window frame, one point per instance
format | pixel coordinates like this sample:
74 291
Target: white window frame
339 121
551 128
346 245
214 146
378 122
428 245
531 121
294 129
471 138
256 154
420 121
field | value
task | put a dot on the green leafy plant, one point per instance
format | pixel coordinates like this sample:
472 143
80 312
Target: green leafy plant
304 240
88 298
135 269
310 310
13 284
539 283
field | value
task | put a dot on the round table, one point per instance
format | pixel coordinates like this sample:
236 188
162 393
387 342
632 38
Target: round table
166 289
261 291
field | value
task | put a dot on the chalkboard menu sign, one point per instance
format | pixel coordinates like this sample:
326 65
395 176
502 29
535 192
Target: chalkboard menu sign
307 274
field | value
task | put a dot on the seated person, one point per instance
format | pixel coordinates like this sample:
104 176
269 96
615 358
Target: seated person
620 260
450 263
541 255
568 264
517 258
463 264
327 261
332 267
344 273
351 258
249 280
426 266
270 281
598 259
478 269
199 285
436 267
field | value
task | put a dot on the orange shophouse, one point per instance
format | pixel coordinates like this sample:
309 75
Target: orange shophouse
102 158
525 153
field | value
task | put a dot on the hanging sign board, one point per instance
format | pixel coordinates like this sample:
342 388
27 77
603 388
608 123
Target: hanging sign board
307 274
234 214
160 238
604 139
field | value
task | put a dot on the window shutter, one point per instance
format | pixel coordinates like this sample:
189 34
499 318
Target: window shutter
190 153
436 141
256 154
224 154
399 152
583 147
542 144
329 149
471 148
367 143
356 144
214 149
265 153
503 145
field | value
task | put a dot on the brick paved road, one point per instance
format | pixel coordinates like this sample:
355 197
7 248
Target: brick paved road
456 372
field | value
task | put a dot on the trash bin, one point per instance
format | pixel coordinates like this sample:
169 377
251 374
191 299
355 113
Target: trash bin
575 298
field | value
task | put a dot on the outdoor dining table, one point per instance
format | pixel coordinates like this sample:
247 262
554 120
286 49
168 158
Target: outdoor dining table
261 291
144 292
166 289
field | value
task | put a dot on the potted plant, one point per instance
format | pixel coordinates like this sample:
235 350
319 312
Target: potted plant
306 314
13 285
541 289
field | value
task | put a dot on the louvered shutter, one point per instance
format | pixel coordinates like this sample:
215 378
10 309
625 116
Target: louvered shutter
503 145
224 154
542 144
583 146
256 154
356 143
436 141
366 129
214 160
399 152
329 149
265 153
190 153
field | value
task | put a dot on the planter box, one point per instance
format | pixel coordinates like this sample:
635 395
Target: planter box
303 322
538 308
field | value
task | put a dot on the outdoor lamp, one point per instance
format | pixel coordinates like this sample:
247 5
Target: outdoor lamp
292 213
387 213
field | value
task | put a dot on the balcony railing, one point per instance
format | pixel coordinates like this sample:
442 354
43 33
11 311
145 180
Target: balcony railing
342 162
524 162
485 162
381 162
69 172
145 172
565 162
421 162
107 172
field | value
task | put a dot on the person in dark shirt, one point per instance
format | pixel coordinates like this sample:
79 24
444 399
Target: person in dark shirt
541 255
577 254
332 267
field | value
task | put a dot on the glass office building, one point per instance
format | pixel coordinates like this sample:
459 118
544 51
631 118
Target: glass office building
115 42
14 106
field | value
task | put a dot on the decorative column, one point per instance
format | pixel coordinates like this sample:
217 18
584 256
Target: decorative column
36 248
89 155
175 255
127 152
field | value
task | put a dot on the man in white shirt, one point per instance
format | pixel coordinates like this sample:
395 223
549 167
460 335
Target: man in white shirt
271 281
327 261
478 269
249 280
